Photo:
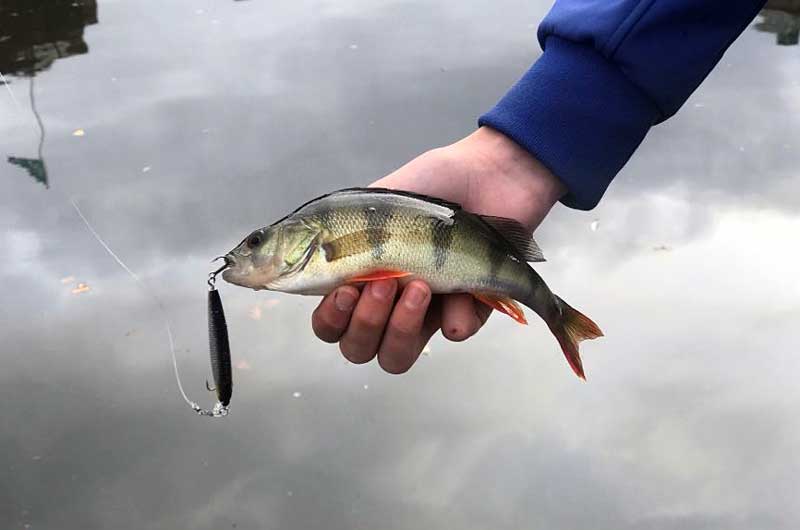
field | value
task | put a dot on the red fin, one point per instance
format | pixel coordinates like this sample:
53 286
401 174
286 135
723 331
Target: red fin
382 274
504 305
572 328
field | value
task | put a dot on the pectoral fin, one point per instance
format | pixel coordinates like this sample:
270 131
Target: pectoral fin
504 305
382 274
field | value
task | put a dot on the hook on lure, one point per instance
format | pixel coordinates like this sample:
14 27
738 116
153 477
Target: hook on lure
212 276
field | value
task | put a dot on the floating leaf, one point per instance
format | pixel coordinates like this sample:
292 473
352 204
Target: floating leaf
242 364
81 288
255 313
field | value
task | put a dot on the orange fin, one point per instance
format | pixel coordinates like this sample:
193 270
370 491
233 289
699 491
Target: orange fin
382 274
572 328
504 305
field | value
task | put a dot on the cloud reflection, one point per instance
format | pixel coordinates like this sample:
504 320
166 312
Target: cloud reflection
685 420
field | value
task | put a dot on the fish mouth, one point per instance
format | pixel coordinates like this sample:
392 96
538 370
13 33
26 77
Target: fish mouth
243 279
234 272
230 276
244 274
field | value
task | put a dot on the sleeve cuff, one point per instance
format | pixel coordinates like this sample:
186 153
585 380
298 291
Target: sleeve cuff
579 115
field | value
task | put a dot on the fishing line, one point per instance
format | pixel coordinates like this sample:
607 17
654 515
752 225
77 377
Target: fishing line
219 410
10 92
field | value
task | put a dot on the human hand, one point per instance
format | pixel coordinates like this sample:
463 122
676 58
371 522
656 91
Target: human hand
486 173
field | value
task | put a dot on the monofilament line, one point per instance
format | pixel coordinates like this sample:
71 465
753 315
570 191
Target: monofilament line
149 292
10 92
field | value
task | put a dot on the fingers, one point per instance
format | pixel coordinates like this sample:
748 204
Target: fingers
331 317
370 323
360 342
483 311
433 320
405 337
461 319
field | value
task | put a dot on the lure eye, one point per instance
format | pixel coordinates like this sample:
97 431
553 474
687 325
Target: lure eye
254 241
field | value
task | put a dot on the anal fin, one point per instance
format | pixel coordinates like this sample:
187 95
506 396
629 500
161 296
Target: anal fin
504 305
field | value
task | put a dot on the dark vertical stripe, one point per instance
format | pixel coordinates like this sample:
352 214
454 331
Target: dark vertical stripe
442 240
323 213
496 260
377 219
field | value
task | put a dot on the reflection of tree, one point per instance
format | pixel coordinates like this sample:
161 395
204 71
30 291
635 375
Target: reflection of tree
34 33
782 17
34 166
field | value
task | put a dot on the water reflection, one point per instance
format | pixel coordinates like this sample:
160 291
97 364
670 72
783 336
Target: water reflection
34 34
202 119
782 17
35 167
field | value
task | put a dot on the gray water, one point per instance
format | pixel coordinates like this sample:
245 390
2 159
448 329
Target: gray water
204 119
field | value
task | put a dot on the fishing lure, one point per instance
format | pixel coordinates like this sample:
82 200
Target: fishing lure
219 347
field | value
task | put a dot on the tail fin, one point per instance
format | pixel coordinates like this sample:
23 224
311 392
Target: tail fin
570 329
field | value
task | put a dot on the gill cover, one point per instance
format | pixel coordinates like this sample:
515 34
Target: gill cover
298 240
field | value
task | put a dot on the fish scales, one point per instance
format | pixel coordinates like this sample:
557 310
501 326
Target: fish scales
363 234
448 255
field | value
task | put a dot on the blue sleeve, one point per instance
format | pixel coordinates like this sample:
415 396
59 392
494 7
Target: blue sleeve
611 69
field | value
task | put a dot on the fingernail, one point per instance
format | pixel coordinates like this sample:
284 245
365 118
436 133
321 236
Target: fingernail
415 296
382 289
344 300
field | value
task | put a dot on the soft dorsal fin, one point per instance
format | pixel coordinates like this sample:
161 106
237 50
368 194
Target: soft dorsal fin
427 198
517 235
438 207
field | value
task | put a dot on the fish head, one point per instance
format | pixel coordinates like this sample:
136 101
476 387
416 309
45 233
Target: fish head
270 254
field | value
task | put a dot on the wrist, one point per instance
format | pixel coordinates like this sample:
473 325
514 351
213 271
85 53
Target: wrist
527 186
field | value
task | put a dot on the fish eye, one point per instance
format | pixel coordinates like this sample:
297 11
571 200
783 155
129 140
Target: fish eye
254 240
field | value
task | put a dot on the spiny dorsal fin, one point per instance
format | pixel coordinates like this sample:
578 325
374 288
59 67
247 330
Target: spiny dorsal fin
517 235
447 208
413 195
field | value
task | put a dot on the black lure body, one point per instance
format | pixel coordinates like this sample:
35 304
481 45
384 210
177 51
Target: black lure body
219 349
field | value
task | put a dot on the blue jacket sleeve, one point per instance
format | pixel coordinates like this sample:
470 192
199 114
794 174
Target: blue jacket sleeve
611 69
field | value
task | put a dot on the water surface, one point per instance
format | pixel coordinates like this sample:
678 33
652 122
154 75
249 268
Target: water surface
180 126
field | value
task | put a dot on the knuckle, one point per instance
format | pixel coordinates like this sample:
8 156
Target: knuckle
369 320
403 331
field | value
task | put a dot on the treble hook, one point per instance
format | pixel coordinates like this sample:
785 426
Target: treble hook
212 276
